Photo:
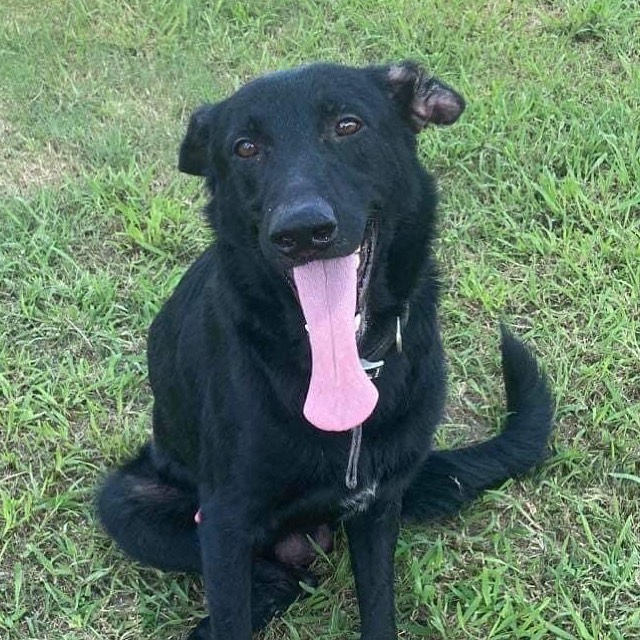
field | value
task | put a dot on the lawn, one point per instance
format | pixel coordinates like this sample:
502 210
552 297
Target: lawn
540 227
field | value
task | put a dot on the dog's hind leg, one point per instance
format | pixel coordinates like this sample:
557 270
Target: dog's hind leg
150 512
450 479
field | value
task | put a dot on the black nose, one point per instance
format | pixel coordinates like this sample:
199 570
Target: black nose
304 229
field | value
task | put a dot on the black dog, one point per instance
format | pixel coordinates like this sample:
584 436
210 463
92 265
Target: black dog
322 267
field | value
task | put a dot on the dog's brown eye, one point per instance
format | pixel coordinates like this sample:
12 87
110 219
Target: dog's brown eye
348 126
245 148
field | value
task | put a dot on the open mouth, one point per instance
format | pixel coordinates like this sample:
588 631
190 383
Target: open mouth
333 295
365 256
365 253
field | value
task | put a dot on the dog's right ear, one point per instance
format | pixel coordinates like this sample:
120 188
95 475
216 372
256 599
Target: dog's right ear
194 150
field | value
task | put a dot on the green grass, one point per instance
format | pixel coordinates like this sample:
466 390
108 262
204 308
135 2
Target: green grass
540 226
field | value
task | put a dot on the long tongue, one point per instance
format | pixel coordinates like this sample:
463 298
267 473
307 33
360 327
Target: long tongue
340 395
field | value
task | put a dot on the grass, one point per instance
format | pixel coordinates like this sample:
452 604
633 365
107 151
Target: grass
540 226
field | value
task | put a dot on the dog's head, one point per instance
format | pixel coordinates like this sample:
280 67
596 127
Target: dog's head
301 160
308 168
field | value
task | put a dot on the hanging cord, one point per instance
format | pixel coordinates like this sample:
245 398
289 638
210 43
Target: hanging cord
373 371
351 479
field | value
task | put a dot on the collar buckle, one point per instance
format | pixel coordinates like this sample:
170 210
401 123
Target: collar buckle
372 369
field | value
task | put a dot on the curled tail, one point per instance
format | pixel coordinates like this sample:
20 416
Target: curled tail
450 479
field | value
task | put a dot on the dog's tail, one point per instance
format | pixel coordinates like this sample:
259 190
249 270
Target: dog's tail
450 479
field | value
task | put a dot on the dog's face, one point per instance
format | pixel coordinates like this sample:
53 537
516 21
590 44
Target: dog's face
310 171
302 160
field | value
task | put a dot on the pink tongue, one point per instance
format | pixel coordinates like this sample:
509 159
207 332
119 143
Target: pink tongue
340 395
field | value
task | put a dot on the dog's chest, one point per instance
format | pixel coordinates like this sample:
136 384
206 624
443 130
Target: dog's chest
359 500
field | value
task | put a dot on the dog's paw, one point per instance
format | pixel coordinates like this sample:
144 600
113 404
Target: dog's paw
275 587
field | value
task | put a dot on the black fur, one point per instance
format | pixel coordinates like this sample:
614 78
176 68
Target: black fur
229 359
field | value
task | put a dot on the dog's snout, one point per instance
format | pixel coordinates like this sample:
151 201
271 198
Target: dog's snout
304 229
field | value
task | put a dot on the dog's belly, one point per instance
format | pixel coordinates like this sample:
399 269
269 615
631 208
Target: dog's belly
297 546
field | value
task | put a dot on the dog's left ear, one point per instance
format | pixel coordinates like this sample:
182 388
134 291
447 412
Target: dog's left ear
423 99
194 150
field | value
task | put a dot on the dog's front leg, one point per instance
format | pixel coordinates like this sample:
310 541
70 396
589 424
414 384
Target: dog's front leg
372 539
226 543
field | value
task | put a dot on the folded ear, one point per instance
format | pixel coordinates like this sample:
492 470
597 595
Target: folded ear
423 98
194 150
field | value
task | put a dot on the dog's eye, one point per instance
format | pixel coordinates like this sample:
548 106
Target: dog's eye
348 126
245 148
